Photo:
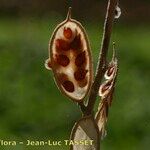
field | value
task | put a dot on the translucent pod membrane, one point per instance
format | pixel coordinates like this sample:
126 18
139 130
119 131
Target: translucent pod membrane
70 59
86 135
101 118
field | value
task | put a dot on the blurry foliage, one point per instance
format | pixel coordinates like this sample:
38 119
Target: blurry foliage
132 11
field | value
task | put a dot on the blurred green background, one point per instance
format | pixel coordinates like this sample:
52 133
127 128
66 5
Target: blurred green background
31 107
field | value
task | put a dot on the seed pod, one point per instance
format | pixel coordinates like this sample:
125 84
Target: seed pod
110 76
70 56
101 118
106 91
85 130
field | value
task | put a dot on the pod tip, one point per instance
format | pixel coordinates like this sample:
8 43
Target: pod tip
69 13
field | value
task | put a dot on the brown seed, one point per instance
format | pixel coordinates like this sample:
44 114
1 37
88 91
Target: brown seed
80 59
62 60
62 45
68 85
62 77
106 87
68 33
80 74
76 43
83 83
110 71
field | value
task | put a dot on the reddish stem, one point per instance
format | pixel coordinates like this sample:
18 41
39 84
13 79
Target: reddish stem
101 66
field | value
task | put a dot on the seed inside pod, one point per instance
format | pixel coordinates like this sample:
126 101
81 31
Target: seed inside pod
62 45
62 77
80 74
76 43
69 86
68 33
83 83
80 59
105 87
110 71
62 60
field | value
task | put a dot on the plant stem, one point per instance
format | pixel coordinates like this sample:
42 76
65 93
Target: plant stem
102 61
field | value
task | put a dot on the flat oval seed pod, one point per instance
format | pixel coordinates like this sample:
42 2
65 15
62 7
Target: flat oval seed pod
70 55
85 130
